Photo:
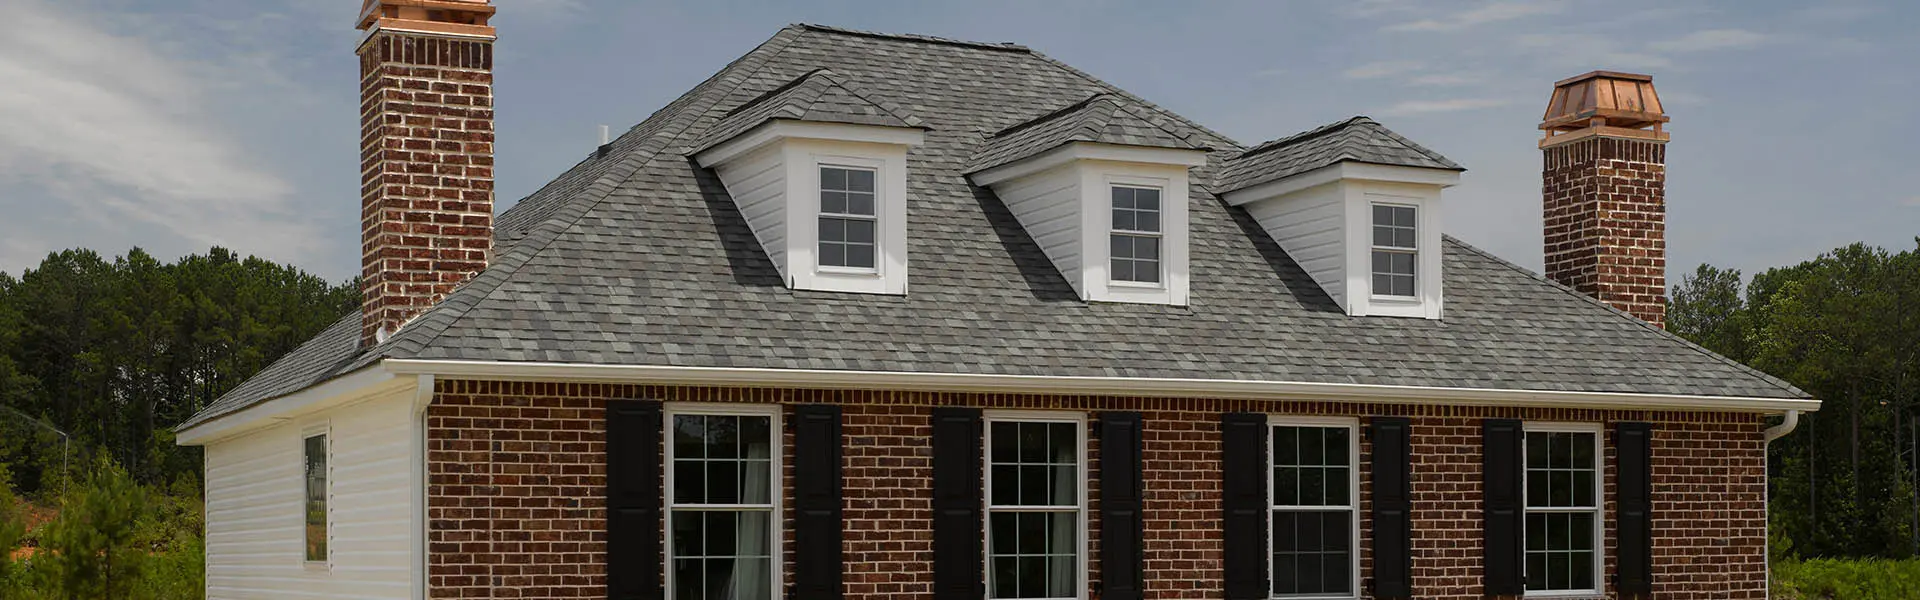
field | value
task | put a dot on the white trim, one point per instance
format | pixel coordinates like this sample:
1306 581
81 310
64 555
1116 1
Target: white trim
1344 170
322 429
775 448
1597 509
366 383
1088 151
987 508
777 129
422 398
1084 386
1352 425
1419 276
881 217
1159 235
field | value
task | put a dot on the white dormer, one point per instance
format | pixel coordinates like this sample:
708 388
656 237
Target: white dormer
1104 192
827 199
1358 208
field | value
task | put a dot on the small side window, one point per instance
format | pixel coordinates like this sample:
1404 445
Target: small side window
316 497
1394 250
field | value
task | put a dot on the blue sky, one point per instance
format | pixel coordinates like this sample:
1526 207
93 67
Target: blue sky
177 125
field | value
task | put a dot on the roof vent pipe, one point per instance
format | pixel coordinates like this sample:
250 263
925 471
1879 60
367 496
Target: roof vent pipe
606 143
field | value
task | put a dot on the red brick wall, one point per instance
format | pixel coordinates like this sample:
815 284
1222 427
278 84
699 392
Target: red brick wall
1605 204
516 470
426 164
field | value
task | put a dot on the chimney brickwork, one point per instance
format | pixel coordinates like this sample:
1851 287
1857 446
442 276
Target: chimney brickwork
1603 191
426 152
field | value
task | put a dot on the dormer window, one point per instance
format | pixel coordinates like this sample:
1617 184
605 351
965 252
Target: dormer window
1395 250
847 218
1136 235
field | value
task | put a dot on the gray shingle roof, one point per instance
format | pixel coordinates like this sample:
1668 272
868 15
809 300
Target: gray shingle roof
1357 139
640 258
819 96
1101 118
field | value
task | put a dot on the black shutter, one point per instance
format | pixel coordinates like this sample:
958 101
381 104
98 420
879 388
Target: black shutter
817 559
1243 466
1392 507
958 573
633 500
1500 463
1634 450
1122 558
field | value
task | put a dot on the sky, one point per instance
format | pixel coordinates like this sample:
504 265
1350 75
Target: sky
178 125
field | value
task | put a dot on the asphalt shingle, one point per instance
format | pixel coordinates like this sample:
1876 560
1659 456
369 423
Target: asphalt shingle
641 258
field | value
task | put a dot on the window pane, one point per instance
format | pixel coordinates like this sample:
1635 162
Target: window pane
1313 450
1401 263
1286 445
833 255
1382 214
833 229
1034 487
1382 236
1583 489
315 449
1122 197
1006 442
1337 452
1121 246
1313 487
1148 220
1537 451
1582 450
1562 444
1146 248
1123 219
1402 285
1558 571
833 179
1286 486
1582 526
1146 199
1005 578
720 537
1000 534
1537 489
1338 486
1382 262
1383 283
1033 443
860 204
689 481
1403 238
1582 569
833 202
689 579
1536 571
1536 531
860 255
1006 485
688 534
860 180
723 482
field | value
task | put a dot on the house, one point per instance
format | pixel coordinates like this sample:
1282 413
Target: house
872 316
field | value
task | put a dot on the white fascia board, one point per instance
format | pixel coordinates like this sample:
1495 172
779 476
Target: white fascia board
366 383
775 130
1344 170
1087 386
1089 151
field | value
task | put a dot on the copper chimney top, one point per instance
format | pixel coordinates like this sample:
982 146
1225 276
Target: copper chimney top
1603 103
466 18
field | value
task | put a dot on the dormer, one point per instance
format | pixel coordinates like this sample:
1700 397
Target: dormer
1357 206
1101 186
819 171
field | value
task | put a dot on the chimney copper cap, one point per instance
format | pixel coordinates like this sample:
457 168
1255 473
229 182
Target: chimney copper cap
1610 101
466 18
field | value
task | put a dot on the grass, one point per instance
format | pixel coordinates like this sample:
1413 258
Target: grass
1847 579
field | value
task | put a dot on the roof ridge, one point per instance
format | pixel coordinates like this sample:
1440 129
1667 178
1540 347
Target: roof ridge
1308 134
852 87
777 90
1049 116
914 37
1134 111
1661 331
1142 102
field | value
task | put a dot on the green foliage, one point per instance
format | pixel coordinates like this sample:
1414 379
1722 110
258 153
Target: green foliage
1841 327
13 526
92 548
1830 579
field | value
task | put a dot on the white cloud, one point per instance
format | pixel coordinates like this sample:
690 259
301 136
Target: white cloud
119 132
1421 107
1491 12
1711 39
1379 69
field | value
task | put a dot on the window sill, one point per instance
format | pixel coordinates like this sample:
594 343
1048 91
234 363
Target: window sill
314 566
855 271
1137 285
1395 300
1567 595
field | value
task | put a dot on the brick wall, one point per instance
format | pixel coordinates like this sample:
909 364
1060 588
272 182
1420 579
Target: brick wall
426 164
516 476
1605 205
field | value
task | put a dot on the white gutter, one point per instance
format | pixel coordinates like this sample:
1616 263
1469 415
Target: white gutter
1785 427
1086 386
345 389
422 398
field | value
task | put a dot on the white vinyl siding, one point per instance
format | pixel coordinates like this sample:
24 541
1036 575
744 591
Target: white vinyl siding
1311 228
1048 207
256 499
758 185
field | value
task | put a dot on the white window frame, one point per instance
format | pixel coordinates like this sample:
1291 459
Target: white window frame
1598 509
775 522
1352 424
1415 252
879 224
1079 420
323 430
1139 183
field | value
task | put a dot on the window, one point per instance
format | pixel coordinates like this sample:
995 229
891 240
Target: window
1315 508
722 477
847 217
1394 249
1034 500
1136 234
1563 508
316 497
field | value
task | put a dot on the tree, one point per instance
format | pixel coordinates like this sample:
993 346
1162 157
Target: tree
92 548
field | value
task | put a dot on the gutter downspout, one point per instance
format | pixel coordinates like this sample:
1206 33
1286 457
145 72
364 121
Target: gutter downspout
1785 427
422 398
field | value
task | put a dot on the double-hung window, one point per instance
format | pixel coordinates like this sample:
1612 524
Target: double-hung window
314 450
1315 503
723 481
848 217
1135 254
1035 497
1563 508
1395 247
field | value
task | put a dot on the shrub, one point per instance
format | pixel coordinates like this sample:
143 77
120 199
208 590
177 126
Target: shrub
1844 579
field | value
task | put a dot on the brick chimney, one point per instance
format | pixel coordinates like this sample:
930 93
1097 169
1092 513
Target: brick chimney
426 155
1603 188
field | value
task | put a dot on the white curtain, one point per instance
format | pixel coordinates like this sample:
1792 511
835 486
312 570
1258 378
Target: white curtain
750 570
